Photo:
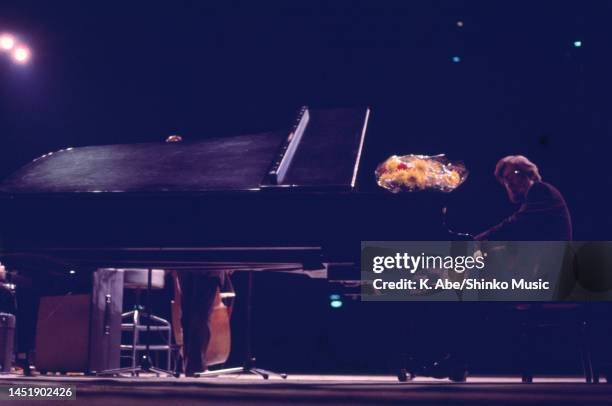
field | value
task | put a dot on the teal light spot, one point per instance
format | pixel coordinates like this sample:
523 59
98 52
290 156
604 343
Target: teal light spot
336 304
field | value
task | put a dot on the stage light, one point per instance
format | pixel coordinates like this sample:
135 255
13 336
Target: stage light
459 23
7 42
456 59
577 44
334 296
72 272
336 304
21 55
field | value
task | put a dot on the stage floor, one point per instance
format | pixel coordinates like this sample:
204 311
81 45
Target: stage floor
322 389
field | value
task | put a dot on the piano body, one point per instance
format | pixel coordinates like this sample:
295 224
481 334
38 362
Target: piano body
300 198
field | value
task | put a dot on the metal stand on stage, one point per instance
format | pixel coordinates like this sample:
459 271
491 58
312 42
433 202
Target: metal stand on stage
248 366
145 361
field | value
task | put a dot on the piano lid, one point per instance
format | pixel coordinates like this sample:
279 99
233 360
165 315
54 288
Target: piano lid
322 150
232 163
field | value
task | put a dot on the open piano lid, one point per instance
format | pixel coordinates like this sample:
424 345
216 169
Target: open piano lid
321 151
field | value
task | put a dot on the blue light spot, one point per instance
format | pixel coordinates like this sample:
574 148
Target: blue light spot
577 44
456 59
334 296
336 304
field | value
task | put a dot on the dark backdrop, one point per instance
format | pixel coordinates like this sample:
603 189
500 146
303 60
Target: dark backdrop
123 72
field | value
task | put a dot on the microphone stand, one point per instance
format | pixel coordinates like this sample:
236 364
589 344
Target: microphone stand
248 366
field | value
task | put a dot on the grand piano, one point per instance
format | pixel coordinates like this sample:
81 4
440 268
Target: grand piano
300 198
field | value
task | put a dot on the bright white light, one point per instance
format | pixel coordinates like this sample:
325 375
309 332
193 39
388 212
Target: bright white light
7 42
72 272
456 59
336 304
577 44
21 55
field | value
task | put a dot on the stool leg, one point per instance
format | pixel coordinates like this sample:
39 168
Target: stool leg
525 349
168 355
135 325
585 353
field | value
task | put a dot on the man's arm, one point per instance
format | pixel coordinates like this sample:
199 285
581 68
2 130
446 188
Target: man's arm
500 232
528 221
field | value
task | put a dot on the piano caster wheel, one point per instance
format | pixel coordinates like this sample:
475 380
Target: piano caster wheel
284 376
404 376
265 376
527 379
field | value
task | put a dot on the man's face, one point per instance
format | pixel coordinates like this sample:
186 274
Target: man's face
517 184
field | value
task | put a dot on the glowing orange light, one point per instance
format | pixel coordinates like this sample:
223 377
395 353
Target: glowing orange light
21 55
7 42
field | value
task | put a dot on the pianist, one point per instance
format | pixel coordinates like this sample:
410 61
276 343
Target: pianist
542 214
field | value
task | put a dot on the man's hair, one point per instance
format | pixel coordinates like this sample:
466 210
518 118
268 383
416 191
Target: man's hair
520 163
